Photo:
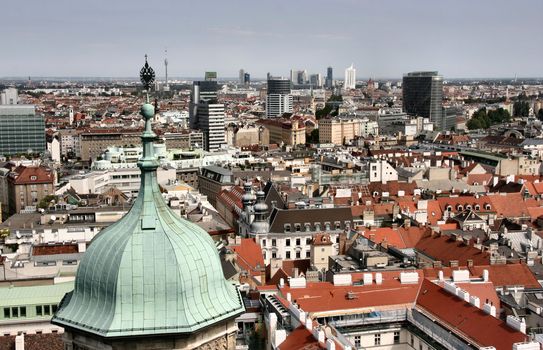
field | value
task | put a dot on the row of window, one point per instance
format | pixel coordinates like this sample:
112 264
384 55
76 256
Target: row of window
20 311
298 241
316 226
288 255
376 339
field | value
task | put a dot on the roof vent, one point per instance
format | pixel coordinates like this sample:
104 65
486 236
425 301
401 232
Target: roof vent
350 295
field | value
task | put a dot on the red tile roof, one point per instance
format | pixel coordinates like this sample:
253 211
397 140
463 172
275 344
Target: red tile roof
444 248
54 249
31 175
300 339
249 256
326 297
466 319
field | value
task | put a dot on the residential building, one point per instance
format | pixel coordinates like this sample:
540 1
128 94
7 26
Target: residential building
22 130
340 130
278 98
70 143
423 96
282 132
27 186
382 171
94 141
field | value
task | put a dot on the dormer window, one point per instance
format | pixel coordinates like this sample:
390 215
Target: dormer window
477 207
287 227
33 178
468 207
487 207
449 208
298 227
459 207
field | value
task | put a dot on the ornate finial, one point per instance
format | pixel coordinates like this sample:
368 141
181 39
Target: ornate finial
147 75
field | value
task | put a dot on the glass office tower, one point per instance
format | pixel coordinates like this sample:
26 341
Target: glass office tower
21 130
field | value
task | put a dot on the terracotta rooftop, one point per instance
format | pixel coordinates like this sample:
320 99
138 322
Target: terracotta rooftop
47 249
466 319
319 297
249 256
23 175
446 248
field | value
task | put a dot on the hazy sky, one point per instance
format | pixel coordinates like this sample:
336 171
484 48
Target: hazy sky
383 38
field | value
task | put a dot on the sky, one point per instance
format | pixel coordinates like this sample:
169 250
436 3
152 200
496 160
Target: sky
383 38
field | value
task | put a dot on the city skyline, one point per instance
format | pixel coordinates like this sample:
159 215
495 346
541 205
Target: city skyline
478 40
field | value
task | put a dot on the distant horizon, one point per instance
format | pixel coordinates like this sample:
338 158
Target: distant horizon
458 38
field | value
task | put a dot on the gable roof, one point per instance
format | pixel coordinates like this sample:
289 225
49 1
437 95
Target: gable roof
249 256
445 249
31 175
465 319
281 217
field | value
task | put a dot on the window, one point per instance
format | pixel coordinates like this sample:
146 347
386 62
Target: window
297 241
287 254
308 254
264 255
412 340
357 341
274 255
54 307
298 255
22 311
322 249
396 337
7 314
47 310
14 312
298 227
274 243
287 227
287 242
420 346
377 339
39 310
263 242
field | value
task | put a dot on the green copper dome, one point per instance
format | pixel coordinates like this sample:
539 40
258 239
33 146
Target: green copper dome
151 272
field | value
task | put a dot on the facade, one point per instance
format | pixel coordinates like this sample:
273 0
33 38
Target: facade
27 186
382 171
329 78
350 78
70 145
29 309
278 98
9 96
207 114
22 130
281 131
340 130
212 180
423 96
151 280
187 139
94 142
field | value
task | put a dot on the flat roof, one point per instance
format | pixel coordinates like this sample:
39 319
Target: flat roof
34 295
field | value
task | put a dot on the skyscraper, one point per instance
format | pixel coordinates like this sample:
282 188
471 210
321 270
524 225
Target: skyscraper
315 80
21 130
247 79
278 99
207 114
329 78
423 96
350 78
241 76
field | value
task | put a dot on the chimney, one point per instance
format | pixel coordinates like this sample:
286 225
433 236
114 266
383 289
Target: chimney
20 342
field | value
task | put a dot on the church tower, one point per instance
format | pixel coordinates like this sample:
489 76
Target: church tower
152 280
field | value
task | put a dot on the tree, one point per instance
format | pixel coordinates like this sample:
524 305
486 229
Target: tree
44 203
313 137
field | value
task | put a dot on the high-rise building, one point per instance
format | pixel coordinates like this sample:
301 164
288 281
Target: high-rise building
350 78
423 96
207 114
278 99
9 96
329 78
241 76
247 79
21 130
315 80
210 76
